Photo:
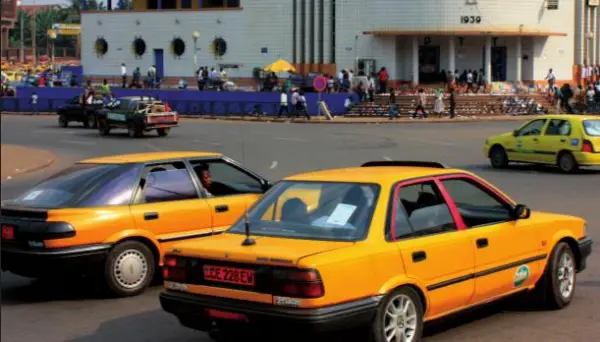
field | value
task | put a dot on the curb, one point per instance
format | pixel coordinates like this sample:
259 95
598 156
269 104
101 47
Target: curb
39 167
342 121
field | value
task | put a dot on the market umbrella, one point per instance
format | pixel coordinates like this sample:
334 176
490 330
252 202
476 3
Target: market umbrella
280 65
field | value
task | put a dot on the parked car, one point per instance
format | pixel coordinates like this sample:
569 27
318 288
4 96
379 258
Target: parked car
386 246
137 114
113 217
77 110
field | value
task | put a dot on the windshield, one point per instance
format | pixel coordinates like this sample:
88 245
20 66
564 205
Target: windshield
84 185
313 210
592 127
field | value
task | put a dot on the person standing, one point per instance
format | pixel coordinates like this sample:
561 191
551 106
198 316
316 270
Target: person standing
371 88
452 103
34 103
123 75
551 78
383 80
283 104
438 107
421 103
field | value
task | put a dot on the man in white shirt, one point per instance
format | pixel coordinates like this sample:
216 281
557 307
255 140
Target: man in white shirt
551 80
124 75
283 104
470 81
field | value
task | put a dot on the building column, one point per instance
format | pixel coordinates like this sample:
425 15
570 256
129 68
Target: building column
488 59
588 42
415 60
519 59
326 27
594 30
580 33
452 54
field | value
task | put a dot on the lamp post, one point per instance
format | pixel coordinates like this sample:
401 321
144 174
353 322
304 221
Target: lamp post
196 36
590 45
22 38
52 36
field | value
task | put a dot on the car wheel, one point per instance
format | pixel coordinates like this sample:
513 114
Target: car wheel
103 127
556 288
498 157
129 269
566 162
133 130
162 132
399 317
90 122
62 121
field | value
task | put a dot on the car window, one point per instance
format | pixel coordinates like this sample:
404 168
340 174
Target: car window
420 209
123 104
592 127
313 211
85 185
558 127
533 128
168 182
219 178
477 205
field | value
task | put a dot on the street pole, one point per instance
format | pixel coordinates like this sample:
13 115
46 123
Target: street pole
33 34
195 35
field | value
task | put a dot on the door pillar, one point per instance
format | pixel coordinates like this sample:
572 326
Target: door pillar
452 54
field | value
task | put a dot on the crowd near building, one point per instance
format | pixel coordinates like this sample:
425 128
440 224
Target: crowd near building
415 40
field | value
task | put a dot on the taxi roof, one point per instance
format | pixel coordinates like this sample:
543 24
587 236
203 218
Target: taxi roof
148 157
569 117
377 175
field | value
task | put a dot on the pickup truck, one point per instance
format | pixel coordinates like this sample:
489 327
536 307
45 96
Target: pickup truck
76 110
137 114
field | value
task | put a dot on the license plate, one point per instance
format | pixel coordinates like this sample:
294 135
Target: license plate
232 316
8 232
168 118
229 275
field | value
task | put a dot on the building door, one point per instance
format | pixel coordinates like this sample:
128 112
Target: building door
429 64
367 66
159 62
499 63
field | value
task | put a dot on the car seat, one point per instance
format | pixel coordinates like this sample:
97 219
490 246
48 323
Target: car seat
294 210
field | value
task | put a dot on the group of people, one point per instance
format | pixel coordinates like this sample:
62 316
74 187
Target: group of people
582 99
298 104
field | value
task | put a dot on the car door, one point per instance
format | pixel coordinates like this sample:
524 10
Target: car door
507 251
168 204
230 189
527 141
433 249
558 136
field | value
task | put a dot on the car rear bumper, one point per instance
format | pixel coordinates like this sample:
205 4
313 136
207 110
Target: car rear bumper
587 159
160 125
191 309
37 263
585 249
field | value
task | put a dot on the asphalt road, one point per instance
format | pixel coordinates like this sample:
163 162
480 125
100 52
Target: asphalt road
68 312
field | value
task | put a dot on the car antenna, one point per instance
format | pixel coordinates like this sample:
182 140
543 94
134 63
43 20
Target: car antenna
248 241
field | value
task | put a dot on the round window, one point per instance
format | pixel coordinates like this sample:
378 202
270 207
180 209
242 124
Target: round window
101 46
178 46
139 46
219 46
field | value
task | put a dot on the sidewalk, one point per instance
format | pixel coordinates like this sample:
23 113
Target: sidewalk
19 160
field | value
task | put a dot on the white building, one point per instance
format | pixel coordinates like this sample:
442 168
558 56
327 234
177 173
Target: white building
511 40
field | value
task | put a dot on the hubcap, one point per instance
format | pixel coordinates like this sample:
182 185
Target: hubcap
566 275
130 268
400 322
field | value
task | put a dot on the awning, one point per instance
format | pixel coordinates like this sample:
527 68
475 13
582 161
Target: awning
465 33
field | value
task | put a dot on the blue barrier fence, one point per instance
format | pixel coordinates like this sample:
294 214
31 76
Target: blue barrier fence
183 101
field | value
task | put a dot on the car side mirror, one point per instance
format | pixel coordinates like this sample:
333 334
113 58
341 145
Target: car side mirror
521 212
515 132
266 185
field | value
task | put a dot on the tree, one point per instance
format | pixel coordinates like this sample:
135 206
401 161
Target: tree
44 21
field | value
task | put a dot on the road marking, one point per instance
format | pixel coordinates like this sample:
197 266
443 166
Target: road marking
289 139
152 147
206 142
78 142
387 158
273 165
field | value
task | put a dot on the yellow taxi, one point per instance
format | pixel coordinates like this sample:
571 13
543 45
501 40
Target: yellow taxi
11 75
387 246
568 141
113 217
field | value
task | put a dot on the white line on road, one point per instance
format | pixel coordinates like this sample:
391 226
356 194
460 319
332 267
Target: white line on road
273 165
289 139
206 142
78 142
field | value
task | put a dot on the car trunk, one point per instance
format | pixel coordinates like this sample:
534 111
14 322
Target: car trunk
23 227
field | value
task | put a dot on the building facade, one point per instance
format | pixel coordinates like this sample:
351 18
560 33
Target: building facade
511 40
7 22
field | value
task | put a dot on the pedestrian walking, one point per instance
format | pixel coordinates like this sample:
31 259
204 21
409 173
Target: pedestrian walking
452 103
283 104
438 107
34 103
421 103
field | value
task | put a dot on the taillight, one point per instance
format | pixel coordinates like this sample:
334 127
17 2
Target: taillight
174 269
587 146
297 283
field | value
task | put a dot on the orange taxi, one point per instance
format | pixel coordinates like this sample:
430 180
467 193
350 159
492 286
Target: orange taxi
388 246
113 217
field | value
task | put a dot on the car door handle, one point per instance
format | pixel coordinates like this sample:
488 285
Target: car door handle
150 216
222 208
563 140
482 243
419 256
535 139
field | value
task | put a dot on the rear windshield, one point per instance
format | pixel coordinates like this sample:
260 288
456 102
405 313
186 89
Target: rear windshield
314 211
84 185
592 127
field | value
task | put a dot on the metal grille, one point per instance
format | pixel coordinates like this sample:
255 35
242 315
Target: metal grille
552 4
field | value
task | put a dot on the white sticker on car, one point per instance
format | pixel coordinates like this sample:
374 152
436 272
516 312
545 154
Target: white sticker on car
341 214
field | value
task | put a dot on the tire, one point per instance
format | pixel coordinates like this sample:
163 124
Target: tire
90 121
566 162
548 293
62 121
163 132
134 130
103 127
410 323
498 157
137 259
